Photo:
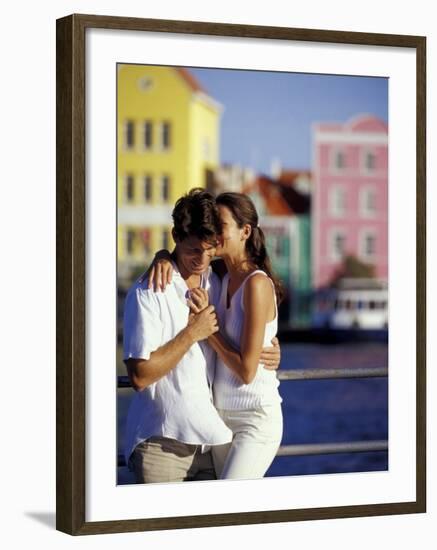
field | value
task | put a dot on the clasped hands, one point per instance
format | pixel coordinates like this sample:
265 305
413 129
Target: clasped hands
198 303
203 318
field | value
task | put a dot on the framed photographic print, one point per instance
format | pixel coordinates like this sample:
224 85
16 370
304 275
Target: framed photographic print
324 133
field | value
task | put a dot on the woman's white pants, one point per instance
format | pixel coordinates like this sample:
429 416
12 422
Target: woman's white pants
257 436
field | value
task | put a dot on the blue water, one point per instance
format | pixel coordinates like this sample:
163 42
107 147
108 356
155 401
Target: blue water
325 411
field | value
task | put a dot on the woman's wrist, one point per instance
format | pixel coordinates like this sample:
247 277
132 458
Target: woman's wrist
213 339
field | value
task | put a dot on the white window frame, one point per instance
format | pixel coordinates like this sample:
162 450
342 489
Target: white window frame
364 169
364 192
332 236
335 191
377 171
364 233
335 150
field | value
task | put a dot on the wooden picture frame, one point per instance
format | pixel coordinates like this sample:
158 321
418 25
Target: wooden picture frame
71 272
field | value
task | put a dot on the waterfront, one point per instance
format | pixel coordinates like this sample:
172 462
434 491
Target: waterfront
324 411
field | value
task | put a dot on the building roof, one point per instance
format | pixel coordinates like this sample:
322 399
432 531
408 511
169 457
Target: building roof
290 177
362 122
190 79
280 198
366 123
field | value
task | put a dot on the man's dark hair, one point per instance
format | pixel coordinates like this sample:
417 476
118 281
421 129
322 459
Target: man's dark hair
195 214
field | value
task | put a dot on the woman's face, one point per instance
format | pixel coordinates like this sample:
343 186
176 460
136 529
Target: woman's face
231 240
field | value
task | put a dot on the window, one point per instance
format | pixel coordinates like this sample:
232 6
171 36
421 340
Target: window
165 239
369 245
148 134
369 161
129 134
339 160
145 83
130 240
274 245
368 202
146 240
165 135
165 188
337 201
337 245
147 187
130 190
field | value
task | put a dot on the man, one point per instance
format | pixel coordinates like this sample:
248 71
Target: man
172 422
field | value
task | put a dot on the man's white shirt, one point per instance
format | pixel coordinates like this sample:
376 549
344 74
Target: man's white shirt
179 405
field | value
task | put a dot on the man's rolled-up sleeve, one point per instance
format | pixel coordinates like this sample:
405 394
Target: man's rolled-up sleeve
142 325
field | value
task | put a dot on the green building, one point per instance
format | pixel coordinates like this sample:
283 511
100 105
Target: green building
285 219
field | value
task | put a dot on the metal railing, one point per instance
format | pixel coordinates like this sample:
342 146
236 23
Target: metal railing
322 374
332 448
308 374
315 448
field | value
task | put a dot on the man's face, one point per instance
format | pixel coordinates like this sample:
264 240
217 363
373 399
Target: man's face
194 255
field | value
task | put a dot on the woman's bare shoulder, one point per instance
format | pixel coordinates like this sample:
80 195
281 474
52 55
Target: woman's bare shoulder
259 286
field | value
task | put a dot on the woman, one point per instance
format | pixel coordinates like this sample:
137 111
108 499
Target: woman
245 393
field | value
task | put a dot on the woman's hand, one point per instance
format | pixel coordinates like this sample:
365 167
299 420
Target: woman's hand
160 272
271 356
199 300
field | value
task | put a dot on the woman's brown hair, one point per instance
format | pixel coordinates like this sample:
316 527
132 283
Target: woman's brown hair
244 212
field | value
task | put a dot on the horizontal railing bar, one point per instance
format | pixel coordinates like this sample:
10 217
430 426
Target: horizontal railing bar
320 449
318 374
332 448
123 382
307 374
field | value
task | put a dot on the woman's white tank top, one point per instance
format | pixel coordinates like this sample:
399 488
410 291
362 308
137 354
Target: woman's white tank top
229 391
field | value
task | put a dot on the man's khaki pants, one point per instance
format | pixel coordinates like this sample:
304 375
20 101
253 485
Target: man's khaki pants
163 460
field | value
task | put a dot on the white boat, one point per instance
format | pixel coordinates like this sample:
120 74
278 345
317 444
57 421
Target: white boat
353 304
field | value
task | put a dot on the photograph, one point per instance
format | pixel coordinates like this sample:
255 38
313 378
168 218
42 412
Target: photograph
240 274
230 207
252 273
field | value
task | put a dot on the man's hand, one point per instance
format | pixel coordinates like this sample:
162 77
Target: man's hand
202 325
199 300
271 356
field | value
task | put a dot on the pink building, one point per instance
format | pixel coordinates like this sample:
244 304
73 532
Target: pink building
350 196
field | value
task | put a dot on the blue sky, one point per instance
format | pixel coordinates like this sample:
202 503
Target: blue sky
269 114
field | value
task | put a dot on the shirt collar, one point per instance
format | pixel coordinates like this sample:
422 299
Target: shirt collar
180 285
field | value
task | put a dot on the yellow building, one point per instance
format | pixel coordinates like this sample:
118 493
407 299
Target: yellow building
168 143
